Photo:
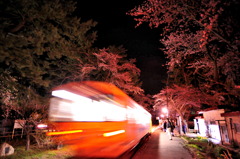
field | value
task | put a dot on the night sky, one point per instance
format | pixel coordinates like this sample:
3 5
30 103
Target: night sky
116 28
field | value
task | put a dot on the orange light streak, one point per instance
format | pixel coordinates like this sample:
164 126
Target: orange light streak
154 129
64 132
113 133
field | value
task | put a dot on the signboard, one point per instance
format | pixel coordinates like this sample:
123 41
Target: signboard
18 124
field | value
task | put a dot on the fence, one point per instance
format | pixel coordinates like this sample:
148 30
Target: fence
10 129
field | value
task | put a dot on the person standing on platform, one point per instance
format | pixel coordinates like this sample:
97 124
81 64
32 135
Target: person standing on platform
164 126
169 128
184 128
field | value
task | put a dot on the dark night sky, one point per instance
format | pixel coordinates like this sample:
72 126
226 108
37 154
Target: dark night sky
116 28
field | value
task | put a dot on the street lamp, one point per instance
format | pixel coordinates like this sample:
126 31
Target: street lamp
165 111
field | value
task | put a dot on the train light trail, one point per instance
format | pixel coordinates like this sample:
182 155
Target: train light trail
63 132
113 133
95 119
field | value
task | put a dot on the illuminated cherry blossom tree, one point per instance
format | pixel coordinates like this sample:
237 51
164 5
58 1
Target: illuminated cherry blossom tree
110 65
181 100
201 41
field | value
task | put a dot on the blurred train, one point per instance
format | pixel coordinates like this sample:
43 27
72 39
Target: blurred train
97 119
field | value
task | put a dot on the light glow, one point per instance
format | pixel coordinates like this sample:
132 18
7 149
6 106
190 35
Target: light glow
40 126
165 110
113 133
154 129
63 132
73 107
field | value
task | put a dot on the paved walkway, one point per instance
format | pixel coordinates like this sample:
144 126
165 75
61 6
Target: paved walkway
160 147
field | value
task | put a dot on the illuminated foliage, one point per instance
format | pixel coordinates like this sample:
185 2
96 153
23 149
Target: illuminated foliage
145 100
110 65
201 41
183 99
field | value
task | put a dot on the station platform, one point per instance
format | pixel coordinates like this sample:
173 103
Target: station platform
159 146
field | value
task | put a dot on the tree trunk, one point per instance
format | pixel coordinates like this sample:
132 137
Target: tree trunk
27 141
180 125
180 121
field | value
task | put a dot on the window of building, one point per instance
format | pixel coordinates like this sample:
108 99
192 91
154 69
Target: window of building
212 122
237 127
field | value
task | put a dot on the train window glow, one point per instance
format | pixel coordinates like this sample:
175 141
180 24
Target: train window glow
70 96
138 115
79 108
58 109
113 133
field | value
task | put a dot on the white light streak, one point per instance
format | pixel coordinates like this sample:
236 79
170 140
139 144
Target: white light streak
113 133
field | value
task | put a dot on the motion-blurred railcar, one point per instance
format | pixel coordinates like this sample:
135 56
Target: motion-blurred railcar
97 119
